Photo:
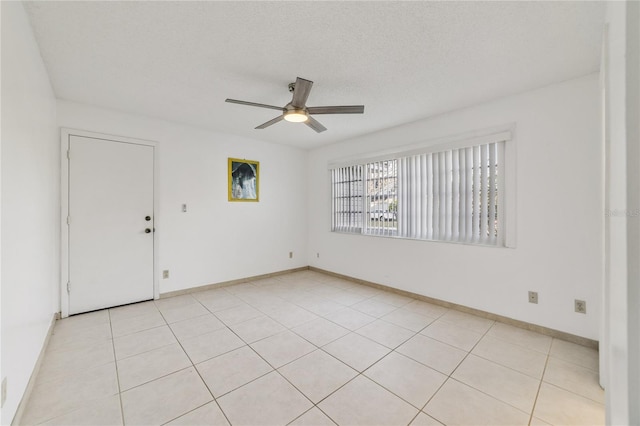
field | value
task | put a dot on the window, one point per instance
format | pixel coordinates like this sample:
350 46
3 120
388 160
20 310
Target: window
446 195
347 199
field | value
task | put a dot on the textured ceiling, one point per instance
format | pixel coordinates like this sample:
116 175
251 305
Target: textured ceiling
403 60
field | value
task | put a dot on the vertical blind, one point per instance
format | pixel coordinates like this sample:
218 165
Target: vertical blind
451 195
381 198
347 199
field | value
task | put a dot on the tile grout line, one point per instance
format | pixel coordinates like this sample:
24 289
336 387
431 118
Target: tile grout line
295 387
247 298
544 370
195 369
453 371
115 361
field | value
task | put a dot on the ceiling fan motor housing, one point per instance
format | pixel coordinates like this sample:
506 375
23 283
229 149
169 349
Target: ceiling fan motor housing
297 110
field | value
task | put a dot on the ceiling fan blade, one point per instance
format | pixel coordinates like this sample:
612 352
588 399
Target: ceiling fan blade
301 92
235 101
270 122
315 125
345 109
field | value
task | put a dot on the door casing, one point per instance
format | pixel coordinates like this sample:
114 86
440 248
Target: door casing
65 134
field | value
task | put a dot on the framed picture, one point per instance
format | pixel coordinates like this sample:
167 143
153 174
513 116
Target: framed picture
244 180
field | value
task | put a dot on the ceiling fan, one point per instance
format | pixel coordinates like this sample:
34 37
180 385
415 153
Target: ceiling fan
296 111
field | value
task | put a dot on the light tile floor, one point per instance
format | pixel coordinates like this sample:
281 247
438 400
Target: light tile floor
308 349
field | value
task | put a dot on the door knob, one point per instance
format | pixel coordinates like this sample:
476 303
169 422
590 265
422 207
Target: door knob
147 218
146 231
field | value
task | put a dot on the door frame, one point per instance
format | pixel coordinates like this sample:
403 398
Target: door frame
65 135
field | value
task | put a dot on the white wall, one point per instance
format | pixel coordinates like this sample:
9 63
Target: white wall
559 211
216 240
30 204
621 353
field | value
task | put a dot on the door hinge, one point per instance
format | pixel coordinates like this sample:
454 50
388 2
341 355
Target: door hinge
69 154
68 220
68 287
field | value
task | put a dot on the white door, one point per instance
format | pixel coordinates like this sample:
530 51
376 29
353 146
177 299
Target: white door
110 223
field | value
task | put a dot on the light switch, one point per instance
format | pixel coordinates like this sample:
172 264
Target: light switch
184 208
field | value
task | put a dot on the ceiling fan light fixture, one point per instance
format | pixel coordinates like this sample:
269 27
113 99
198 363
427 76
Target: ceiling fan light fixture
296 116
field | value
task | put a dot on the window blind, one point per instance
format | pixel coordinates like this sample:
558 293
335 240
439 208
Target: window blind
451 195
448 195
347 199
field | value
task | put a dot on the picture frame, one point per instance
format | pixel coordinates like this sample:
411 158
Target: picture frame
243 180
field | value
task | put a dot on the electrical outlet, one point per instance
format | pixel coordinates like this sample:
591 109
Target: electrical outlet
4 392
581 306
165 274
290 255
533 297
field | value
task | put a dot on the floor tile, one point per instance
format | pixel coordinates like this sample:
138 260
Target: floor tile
356 351
517 357
348 298
196 326
240 288
577 354
350 318
221 302
445 332
207 415
79 391
257 329
320 331
321 307
537 422
363 402
282 348
432 353
133 310
472 322
229 371
386 333
139 323
287 318
408 379
559 407
409 320
394 299
80 322
292 317
425 308
574 378
477 409
317 374
78 338
212 293
238 314
510 386
209 345
365 291
148 366
175 301
313 417
519 336
373 307
165 399
104 411
61 363
423 420
269 400
143 341
179 313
